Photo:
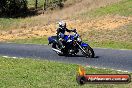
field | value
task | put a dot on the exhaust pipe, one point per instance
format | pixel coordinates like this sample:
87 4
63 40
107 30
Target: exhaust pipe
56 50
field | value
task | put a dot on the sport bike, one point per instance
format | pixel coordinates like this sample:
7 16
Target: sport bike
72 45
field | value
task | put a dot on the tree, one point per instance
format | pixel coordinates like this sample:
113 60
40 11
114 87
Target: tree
44 5
12 8
52 4
60 4
36 4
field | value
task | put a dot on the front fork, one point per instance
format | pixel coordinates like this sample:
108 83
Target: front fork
82 50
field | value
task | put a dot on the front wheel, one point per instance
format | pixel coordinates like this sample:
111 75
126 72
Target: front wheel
89 52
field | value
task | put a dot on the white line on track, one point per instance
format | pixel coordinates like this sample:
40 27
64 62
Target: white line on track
106 68
12 57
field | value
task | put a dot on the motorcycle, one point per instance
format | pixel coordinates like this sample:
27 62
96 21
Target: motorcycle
73 44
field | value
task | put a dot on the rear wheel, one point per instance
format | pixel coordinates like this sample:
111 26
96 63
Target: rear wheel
57 47
89 52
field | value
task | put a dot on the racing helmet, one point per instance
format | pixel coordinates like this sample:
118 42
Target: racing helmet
62 24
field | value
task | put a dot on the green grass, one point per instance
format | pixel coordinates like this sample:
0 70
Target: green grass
111 44
123 8
31 41
28 73
6 23
14 23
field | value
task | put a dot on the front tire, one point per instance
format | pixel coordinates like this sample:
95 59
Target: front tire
89 52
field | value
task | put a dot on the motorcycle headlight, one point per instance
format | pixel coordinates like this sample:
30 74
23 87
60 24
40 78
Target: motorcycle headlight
79 40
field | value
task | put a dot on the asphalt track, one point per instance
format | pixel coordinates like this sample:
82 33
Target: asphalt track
106 58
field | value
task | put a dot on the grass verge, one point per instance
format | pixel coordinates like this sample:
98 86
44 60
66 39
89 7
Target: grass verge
28 73
99 44
31 41
111 44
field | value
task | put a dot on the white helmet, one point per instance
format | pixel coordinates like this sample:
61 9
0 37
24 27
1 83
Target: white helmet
62 24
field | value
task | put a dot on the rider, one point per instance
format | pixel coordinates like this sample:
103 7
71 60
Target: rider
61 33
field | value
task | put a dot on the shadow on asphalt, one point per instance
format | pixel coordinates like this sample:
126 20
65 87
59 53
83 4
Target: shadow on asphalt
80 56
74 56
97 57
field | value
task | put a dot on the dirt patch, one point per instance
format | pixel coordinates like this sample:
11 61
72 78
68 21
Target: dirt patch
105 23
